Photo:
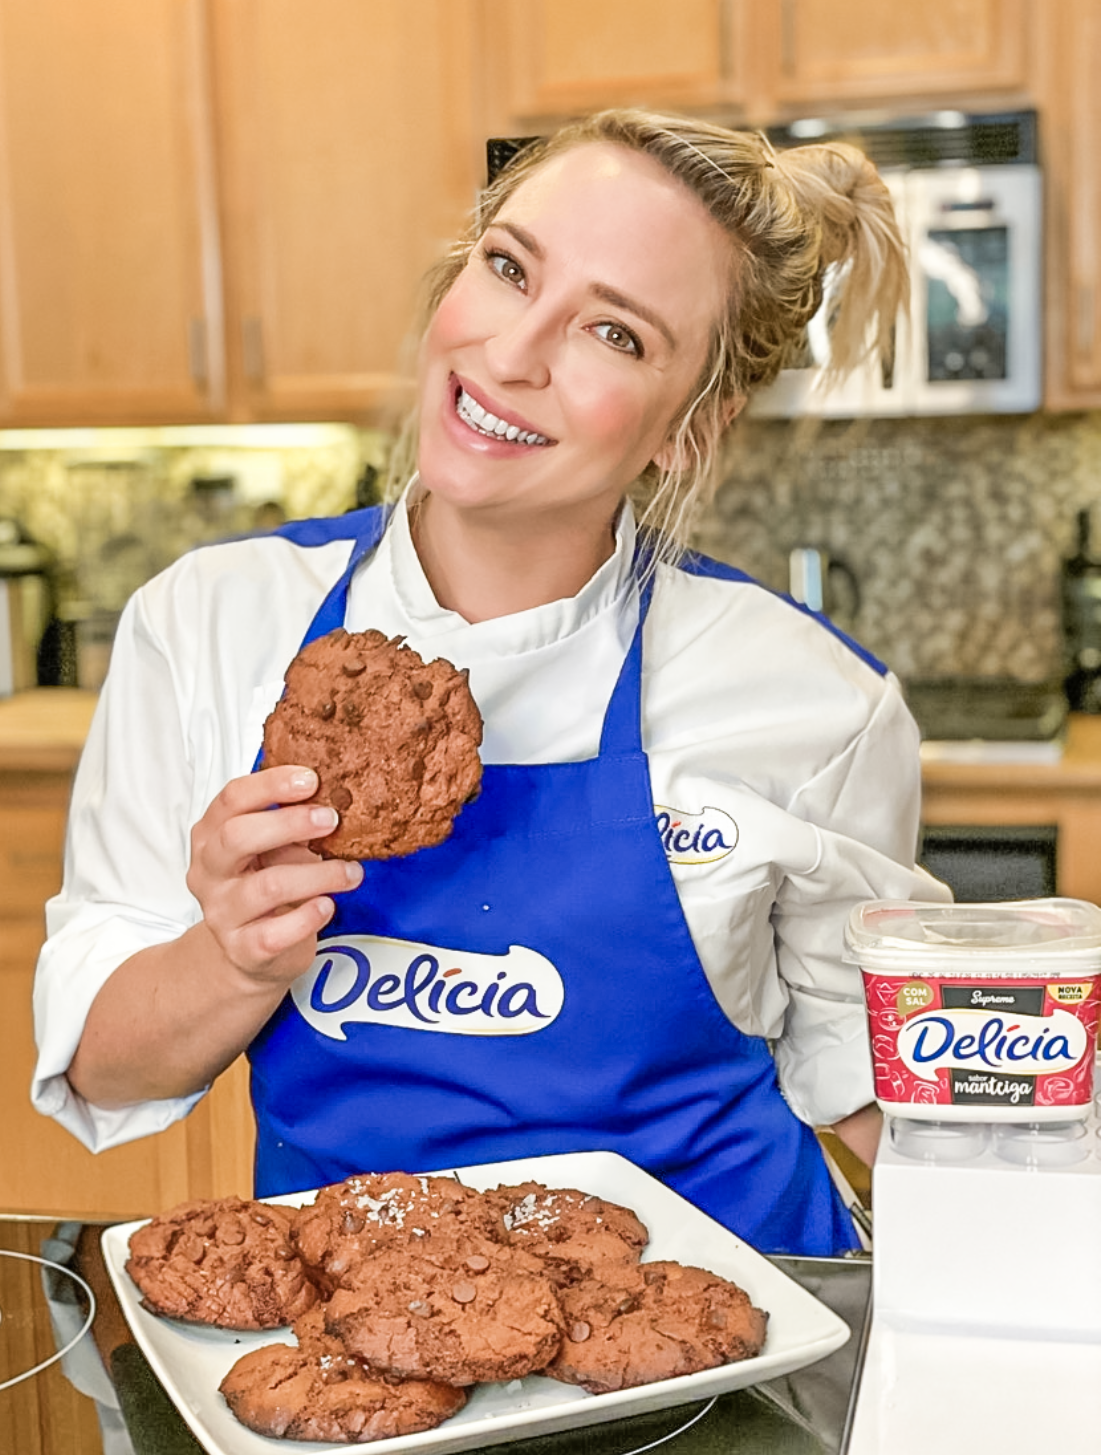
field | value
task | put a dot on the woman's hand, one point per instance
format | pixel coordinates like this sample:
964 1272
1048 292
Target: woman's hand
264 894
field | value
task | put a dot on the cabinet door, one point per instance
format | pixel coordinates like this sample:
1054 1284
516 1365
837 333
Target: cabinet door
349 166
1072 173
44 1169
862 50
559 57
109 269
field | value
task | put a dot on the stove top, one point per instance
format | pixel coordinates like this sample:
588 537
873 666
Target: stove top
996 709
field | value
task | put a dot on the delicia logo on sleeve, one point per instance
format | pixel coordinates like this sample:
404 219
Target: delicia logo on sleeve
366 979
695 838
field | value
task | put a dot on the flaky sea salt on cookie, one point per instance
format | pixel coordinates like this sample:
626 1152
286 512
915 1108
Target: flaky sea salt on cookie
394 741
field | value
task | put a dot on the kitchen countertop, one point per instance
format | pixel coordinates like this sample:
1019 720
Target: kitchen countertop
44 730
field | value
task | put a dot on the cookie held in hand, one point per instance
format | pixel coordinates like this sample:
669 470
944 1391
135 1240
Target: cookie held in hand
394 741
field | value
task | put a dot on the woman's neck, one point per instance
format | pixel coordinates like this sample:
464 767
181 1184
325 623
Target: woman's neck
482 565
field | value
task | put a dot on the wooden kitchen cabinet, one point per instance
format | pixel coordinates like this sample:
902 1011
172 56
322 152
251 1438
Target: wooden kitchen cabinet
758 59
1071 141
862 51
347 165
221 209
547 59
43 1169
110 296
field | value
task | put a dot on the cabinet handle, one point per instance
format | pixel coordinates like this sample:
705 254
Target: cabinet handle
1084 321
197 354
252 343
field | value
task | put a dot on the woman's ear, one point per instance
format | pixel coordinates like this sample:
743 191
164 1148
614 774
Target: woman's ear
673 457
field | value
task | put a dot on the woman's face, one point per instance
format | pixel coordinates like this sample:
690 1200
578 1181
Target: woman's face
555 364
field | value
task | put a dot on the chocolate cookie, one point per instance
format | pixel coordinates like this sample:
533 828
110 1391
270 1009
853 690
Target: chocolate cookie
469 1313
227 1262
349 1220
653 1321
318 1392
394 741
572 1232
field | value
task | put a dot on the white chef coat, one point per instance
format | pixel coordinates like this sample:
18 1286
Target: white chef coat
756 718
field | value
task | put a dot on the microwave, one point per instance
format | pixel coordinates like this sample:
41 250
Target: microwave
967 191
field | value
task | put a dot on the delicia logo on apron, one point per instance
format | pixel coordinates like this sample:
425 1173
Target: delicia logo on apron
372 979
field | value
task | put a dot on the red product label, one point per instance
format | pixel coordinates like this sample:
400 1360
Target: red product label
982 1043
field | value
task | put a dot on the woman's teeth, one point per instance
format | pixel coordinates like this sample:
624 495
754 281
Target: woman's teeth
472 413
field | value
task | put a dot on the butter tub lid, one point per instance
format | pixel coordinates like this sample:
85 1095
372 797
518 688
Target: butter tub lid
1052 937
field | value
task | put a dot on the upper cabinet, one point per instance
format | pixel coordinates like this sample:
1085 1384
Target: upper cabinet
757 59
860 51
1071 138
110 294
220 209
346 167
550 58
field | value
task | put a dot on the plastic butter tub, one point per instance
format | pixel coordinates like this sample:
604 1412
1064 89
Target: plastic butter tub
981 1012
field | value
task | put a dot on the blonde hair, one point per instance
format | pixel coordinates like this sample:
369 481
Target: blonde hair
790 216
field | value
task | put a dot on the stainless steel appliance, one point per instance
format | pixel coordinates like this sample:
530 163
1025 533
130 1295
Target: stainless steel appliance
968 194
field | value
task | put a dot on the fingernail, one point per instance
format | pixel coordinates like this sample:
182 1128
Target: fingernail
353 871
304 778
324 818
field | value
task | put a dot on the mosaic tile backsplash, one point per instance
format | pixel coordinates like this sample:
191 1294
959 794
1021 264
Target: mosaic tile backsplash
952 529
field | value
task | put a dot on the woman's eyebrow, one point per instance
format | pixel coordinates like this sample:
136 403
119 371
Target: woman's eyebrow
602 291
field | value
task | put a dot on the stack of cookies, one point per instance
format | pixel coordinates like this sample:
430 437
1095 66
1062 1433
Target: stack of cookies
405 1291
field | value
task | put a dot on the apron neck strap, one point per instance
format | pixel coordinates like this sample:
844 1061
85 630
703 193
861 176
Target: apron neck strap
622 730
332 611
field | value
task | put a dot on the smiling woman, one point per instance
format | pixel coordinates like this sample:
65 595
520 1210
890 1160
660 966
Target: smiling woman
632 939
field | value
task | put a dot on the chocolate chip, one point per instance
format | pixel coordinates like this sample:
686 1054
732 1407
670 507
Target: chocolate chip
420 1308
327 710
353 668
422 690
352 714
653 1275
579 1332
416 770
477 1262
716 1318
464 1293
353 1222
626 1305
341 798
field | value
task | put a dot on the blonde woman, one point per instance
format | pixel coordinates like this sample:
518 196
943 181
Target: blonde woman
688 780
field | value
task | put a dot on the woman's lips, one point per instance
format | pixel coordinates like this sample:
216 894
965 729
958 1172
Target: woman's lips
485 422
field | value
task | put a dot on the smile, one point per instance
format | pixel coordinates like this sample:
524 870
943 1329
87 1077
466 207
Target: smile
471 413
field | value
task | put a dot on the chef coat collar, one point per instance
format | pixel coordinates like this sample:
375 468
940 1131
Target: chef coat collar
609 589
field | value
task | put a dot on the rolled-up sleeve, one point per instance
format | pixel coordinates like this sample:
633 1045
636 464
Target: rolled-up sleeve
126 846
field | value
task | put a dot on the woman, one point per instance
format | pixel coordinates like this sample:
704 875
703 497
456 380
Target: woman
625 288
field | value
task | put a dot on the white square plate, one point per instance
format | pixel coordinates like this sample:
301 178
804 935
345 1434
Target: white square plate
190 1360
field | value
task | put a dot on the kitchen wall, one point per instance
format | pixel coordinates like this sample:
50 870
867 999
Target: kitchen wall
953 528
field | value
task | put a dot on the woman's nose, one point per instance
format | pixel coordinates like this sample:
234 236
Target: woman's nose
520 350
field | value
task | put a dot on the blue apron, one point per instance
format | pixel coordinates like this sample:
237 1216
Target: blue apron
531 986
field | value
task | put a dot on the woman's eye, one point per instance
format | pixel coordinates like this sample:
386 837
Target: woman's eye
619 337
506 267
